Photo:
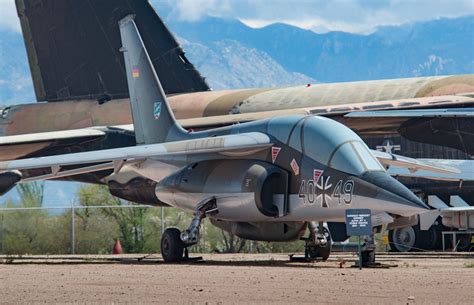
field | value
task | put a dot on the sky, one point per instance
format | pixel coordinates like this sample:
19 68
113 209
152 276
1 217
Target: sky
354 16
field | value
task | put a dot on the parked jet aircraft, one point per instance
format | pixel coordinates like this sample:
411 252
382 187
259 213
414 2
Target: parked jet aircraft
264 180
99 75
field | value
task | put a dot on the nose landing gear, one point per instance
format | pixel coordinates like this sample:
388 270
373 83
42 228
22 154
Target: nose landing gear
174 243
318 245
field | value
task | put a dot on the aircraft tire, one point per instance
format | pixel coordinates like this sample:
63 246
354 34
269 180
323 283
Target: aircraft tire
171 245
322 252
403 239
368 258
428 240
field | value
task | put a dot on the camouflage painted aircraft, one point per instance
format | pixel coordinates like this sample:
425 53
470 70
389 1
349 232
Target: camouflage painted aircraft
91 104
264 180
90 109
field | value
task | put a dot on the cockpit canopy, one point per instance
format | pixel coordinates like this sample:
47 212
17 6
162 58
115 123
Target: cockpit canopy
345 155
333 144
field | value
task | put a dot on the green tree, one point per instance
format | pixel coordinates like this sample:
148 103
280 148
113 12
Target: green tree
139 229
232 243
130 221
32 231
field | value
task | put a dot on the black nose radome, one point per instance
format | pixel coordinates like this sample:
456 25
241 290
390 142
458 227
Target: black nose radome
390 184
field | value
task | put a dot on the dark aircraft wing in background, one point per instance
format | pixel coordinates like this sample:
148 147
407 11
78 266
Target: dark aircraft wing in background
73 49
452 127
449 127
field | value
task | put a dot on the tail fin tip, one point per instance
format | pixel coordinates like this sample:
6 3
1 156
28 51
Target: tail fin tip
153 119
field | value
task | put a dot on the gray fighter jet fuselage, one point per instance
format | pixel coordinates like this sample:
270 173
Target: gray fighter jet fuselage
301 169
316 166
263 180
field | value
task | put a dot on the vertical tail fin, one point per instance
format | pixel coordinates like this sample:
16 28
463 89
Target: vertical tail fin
153 119
55 33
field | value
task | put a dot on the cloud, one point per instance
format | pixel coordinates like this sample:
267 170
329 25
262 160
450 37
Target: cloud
356 16
193 10
8 16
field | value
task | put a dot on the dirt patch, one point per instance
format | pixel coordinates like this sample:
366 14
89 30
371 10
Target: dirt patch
241 278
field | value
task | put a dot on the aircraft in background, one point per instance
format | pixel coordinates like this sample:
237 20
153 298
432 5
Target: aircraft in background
263 180
90 97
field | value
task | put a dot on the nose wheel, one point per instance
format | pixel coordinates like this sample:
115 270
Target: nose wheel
174 243
319 244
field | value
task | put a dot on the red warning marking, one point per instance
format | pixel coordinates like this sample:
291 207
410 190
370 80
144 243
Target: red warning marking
275 152
295 167
317 173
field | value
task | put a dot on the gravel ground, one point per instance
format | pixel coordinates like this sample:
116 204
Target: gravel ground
243 278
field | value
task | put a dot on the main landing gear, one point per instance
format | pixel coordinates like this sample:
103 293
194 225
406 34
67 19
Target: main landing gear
174 243
368 251
318 245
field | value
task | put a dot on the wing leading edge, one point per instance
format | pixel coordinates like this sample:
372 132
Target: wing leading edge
241 144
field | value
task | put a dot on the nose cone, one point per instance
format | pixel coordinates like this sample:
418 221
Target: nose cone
397 198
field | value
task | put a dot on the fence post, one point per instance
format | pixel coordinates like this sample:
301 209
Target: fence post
1 235
162 220
73 237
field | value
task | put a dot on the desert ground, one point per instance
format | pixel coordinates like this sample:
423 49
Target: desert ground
422 278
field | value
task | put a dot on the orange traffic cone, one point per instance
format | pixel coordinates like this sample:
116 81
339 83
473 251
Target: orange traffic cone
117 247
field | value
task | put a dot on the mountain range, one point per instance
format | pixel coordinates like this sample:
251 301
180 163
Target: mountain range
444 46
231 54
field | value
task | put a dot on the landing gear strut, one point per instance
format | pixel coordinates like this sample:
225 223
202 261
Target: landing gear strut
368 251
174 242
318 245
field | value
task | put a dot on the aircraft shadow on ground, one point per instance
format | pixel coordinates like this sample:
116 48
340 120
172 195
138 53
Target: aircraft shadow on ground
246 263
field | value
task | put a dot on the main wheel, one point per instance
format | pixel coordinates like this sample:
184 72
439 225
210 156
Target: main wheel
368 258
429 239
402 239
171 245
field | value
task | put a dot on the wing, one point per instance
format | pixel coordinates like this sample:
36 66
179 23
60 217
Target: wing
378 121
417 119
446 127
447 170
397 165
414 113
458 215
51 136
232 145
354 115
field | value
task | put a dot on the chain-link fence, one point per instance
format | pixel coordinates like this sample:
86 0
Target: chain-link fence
80 229
94 229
